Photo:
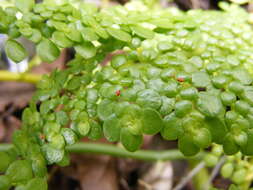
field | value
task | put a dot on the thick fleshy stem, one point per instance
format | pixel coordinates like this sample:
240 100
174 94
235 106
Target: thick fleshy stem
113 150
19 77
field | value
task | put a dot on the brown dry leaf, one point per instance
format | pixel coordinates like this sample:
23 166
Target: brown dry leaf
93 172
158 177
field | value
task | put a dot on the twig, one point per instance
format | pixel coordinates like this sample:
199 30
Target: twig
109 149
190 175
19 77
215 172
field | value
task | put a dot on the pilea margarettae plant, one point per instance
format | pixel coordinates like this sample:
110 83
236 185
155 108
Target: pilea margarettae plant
185 75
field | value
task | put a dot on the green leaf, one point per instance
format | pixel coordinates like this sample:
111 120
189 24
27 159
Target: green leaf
143 32
233 187
248 148
119 34
20 140
209 105
217 128
5 161
47 51
211 160
62 118
5 182
61 40
227 170
239 176
56 141
69 136
37 183
74 35
228 98
130 142
83 128
111 128
20 171
96 131
162 23
36 36
25 5
202 138
201 79
242 107
39 165
152 122
53 155
229 145
240 1
172 127
105 109
189 93
243 76
186 146
248 96
183 107
15 51
149 98
167 105
87 50
89 34
74 83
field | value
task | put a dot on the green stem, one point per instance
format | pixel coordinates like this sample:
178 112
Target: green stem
21 77
108 149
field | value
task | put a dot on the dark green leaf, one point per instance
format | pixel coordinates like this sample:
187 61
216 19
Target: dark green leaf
130 142
111 128
152 121
186 146
96 131
172 127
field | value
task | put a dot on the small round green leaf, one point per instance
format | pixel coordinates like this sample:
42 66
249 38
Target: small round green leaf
5 182
172 127
209 104
111 128
119 34
152 122
143 32
130 142
5 161
47 51
37 183
87 50
20 171
15 51
187 147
